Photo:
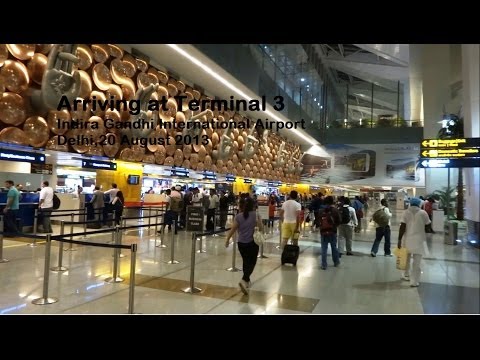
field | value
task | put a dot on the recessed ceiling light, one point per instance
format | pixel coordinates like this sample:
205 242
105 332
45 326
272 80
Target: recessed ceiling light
314 99
302 79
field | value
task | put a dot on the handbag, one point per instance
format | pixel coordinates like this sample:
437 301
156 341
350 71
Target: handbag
401 255
258 237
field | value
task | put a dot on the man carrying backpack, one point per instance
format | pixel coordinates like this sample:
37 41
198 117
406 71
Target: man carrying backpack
329 220
382 218
348 220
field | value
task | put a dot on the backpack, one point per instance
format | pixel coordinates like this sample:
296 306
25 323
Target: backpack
345 215
327 224
56 202
380 217
176 204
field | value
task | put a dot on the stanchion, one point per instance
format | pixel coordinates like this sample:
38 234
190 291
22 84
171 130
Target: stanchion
279 246
70 248
172 245
233 268
214 223
303 234
115 278
192 289
35 222
45 300
200 250
261 255
131 291
149 218
59 267
156 225
121 236
2 227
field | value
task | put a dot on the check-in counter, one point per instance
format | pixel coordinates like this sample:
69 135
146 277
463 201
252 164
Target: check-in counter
27 205
69 202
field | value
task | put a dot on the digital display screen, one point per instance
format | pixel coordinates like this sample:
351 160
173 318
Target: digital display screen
133 179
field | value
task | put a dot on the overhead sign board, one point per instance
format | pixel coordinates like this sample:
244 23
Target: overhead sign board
247 181
230 178
459 152
449 163
99 165
209 175
22 156
179 171
274 183
449 143
44 169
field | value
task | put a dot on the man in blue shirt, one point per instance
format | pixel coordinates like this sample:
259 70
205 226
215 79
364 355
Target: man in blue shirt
11 209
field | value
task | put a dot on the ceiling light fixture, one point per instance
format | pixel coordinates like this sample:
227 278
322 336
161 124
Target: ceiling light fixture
232 87
302 79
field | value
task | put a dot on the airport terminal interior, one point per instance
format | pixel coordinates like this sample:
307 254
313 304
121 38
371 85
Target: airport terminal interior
126 171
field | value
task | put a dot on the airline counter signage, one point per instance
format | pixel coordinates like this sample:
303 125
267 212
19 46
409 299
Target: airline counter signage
99 165
22 156
449 163
179 171
209 175
274 184
230 178
247 181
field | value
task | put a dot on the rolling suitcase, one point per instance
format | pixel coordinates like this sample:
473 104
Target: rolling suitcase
290 254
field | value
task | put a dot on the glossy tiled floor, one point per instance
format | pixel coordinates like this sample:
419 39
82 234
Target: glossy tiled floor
360 285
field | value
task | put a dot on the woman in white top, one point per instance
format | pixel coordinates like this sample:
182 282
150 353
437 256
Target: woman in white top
412 236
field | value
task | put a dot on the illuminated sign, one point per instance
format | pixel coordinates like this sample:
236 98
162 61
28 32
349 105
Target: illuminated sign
459 152
247 181
230 178
99 165
45 169
209 175
449 143
274 184
449 163
179 171
22 156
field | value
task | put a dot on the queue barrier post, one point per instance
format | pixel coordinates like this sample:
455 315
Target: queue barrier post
234 268
131 289
192 289
115 278
45 300
2 227
172 245
60 267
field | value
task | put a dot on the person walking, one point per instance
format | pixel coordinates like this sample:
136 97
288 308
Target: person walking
412 236
290 219
329 221
245 223
382 229
345 229
358 206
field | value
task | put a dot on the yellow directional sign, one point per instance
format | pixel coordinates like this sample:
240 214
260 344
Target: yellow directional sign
450 143
450 153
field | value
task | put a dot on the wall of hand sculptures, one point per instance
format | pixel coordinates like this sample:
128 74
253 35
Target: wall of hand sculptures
104 71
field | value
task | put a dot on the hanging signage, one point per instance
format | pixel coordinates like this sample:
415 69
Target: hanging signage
22 156
99 165
449 143
247 181
179 171
274 184
449 163
230 178
450 153
44 169
209 175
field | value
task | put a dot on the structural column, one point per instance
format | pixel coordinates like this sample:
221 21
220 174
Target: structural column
471 112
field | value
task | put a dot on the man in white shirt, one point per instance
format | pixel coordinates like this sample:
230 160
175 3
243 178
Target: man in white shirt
212 206
290 218
345 229
382 231
112 192
46 206
412 236
197 198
